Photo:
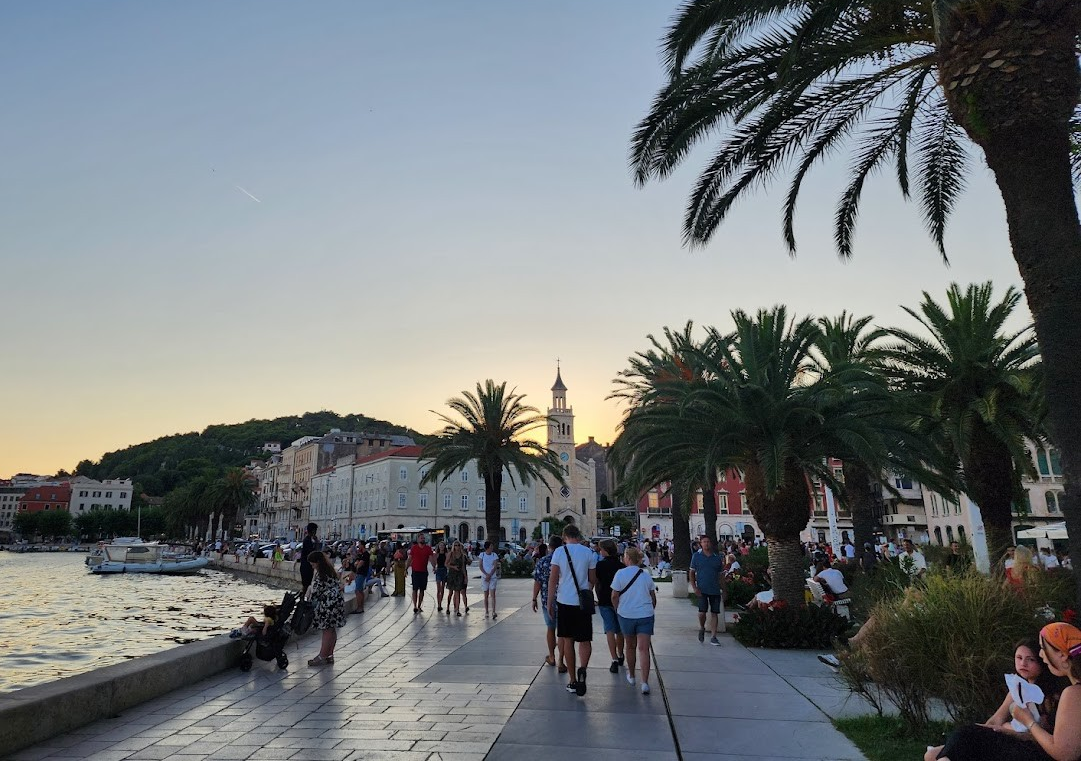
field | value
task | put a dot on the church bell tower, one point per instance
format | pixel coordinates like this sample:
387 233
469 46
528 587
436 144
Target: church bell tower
561 440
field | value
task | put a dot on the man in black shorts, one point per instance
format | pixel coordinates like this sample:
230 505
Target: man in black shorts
573 623
310 545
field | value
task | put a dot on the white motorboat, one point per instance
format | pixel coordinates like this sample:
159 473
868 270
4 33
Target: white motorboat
146 558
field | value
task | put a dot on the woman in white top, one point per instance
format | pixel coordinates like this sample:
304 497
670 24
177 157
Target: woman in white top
634 597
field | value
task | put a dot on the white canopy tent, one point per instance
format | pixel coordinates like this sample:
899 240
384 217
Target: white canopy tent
1050 531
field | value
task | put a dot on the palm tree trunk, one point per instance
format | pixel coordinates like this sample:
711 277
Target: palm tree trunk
859 499
990 478
788 562
1032 170
681 530
493 488
709 510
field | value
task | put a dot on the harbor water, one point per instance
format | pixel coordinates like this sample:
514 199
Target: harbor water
57 619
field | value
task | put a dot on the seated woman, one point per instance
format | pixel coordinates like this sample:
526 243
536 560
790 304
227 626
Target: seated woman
1056 736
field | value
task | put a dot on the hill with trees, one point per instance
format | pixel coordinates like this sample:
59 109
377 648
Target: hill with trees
159 467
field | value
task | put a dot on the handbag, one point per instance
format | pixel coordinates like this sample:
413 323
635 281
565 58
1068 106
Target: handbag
585 596
303 617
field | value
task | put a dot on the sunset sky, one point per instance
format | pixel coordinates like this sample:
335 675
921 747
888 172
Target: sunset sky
443 196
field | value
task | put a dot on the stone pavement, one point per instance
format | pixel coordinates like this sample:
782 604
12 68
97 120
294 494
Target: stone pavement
435 687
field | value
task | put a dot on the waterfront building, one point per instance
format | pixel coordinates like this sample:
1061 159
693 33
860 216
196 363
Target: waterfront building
88 495
358 497
10 493
53 496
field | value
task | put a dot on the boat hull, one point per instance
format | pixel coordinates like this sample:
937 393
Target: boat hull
178 567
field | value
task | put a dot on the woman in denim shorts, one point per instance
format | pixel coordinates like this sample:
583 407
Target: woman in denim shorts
634 597
607 569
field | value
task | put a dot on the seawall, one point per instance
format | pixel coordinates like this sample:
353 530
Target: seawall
32 715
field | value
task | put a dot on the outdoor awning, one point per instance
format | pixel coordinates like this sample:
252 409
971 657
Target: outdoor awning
1049 531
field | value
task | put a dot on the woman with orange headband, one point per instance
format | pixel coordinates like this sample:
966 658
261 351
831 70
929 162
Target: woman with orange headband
1057 740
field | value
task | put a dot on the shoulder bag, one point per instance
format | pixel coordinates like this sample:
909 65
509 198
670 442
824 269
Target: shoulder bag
621 591
585 596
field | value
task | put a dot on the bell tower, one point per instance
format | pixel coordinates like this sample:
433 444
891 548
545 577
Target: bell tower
561 429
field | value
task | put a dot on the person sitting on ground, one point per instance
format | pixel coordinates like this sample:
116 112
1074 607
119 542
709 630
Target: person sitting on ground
832 581
1056 735
252 627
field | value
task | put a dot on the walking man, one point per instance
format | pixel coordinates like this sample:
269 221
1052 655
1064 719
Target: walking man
707 569
420 557
573 570
489 576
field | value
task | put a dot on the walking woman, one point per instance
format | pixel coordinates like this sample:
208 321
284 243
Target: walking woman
634 596
441 576
328 602
398 563
455 577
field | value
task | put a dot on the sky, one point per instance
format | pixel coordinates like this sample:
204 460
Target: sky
443 197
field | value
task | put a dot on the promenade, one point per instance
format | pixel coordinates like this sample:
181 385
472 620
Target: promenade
434 687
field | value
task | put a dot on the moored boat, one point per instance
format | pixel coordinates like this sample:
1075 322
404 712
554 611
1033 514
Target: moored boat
145 558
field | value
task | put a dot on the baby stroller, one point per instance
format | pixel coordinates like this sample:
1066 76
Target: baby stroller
271 646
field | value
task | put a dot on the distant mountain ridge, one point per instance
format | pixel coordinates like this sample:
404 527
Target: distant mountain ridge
159 466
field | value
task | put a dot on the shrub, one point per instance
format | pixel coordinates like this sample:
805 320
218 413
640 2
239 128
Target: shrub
516 568
886 582
782 626
950 637
738 592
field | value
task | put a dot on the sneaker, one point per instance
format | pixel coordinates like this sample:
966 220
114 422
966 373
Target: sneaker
702 634
439 609
620 659
714 641
572 687
235 634
630 678
830 660
581 682
614 668
645 688
493 616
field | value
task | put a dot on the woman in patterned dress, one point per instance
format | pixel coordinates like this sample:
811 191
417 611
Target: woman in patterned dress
456 563
328 602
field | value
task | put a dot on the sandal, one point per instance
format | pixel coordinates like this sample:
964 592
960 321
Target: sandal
549 660
562 668
317 661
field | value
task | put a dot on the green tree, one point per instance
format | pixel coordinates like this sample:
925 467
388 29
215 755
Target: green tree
788 83
490 438
979 385
54 524
555 526
234 494
27 525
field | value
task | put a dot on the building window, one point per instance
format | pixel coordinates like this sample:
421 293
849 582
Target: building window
902 482
1041 462
743 501
403 474
480 533
446 501
548 504
938 535
465 501
949 533
653 499
1056 462
465 476
401 499
423 500
523 503
109 494
583 505
839 475
700 500
722 502
123 494
957 508
961 533
481 502
1052 502
97 494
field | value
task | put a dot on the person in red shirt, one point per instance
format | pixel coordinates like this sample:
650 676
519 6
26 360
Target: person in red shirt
420 557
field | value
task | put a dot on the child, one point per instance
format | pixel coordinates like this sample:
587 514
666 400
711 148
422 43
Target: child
1027 665
251 627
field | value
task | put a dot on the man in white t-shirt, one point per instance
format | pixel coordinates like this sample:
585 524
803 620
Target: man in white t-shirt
573 624
832 580
912 560
489 575
850 552
1048 560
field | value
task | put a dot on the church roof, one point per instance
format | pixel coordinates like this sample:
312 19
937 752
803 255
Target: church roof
559 382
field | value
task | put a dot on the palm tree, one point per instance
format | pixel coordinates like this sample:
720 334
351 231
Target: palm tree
489 437
758 409
901 82
979 386
234 494
640 454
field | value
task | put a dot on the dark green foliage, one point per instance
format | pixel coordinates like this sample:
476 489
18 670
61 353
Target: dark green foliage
160 466
26 524
516 568
789 627
555 526
738 592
